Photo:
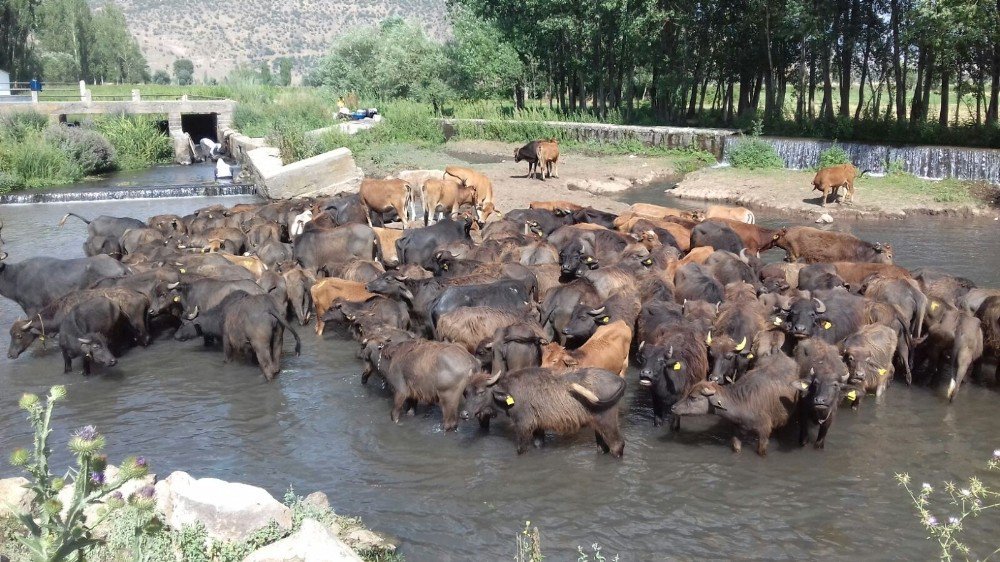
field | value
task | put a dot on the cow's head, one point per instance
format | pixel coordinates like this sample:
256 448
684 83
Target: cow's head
391 285
701 399
803 316
730 358
576 258
583 322
95 348
22 334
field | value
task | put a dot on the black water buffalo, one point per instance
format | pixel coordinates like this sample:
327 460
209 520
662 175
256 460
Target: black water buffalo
671 359
506 294
717 235
829 315
37 282
317 249
418 246
87 330
694 282
105 226
199 293
823 376
254 325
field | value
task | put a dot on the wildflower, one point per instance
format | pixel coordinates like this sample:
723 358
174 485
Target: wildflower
116 500
931 521
53 506
140 462
28 401
143 498
86 441
57 392
97 478
965 492
996 453
927 487
58 484
19 457
133 468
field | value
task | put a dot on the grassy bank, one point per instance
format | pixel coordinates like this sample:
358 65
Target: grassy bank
35 154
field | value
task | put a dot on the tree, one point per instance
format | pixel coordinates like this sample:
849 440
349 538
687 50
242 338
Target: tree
18 19
284 65
115 55
483 64
184 71
161 77
64 37
265 74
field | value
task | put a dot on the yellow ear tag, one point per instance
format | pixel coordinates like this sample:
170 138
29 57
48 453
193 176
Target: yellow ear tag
934 305
41 338
510 400
647 261
852 395
605 320
182 270
749 355
827 325
882 372
677 366
177 299
777 320
589 259
445 267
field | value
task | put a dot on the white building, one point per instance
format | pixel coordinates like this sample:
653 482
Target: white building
4 83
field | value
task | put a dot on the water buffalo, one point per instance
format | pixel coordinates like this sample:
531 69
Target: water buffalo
36 282
318 249
87 330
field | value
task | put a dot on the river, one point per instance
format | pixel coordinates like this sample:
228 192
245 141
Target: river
465 495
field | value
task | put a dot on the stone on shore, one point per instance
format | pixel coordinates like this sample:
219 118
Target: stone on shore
229 511
324 174
312 543
317 499
14 497
825 218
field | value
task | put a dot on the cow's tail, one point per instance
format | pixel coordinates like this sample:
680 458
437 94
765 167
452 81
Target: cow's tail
863 172
287 326
68 215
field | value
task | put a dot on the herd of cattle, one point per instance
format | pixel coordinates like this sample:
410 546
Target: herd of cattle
533 315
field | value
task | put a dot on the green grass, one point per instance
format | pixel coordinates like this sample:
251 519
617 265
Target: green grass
137 140
904 185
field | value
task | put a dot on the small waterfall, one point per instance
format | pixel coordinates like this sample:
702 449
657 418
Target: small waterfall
144 192
933 162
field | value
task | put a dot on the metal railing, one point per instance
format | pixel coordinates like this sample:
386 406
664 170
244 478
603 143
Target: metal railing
21 92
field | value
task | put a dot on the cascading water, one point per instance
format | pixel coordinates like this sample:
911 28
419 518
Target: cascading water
144 192
934 162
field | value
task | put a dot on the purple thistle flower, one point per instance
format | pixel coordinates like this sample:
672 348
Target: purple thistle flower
146 492
97 478
117 496
87 433
140 462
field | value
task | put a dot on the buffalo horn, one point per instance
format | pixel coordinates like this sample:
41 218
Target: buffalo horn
585 393
493 380
743 256
820 306
707 391
173 285
597 311
742 345
194 314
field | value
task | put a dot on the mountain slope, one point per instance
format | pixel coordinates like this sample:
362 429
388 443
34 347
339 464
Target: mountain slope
218 36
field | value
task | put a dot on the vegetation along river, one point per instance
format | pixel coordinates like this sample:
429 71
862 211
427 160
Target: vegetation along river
464 496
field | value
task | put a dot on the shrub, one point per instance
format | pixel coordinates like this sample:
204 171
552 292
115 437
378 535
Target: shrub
19 125
292 142
91 151
896 168
10 181
38 163
137 140
833 156
753 153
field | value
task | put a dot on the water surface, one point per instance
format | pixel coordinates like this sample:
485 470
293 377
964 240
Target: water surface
464 496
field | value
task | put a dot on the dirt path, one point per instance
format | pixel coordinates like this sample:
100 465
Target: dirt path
876 197
583 179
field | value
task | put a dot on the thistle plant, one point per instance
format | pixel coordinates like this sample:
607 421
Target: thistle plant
945 521
58 532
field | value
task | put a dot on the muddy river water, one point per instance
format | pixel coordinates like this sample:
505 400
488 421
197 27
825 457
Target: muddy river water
465 495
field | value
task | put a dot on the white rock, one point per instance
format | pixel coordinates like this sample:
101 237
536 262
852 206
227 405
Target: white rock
363 539
825 218
14 497
229 511
313 543
318 499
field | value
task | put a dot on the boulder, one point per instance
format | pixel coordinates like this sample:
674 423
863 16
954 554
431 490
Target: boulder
229 511
317 499
825 218
363 539
312 543
14 497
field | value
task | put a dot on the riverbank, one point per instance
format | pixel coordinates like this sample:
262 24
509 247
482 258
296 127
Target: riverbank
790 191
205 519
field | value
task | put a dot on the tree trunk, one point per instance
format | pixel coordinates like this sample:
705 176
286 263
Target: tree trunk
827 85
943 114
918 90
812 87
864 78
897 68
991 110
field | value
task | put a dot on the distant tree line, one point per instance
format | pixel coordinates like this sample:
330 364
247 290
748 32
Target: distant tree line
66 41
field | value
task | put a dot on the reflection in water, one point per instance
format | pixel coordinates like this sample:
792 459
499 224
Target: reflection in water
464 496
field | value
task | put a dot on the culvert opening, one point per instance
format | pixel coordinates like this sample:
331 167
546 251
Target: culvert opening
200 126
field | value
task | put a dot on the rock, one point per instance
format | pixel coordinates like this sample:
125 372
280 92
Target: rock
610 185
825 218
14 497
313 543
317 499
363 539
324 174
229 511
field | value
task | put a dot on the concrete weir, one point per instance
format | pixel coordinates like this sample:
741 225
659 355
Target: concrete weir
709 140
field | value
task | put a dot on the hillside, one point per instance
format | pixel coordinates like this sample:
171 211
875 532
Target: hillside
218 36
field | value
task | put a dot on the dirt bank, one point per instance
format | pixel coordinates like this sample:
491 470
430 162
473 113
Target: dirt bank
583 178
875 197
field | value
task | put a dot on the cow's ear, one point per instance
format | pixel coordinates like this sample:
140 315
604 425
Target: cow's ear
570 362
502 398
800 385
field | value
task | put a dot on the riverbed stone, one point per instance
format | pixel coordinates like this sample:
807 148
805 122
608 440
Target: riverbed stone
363 539
14 497
312 543
317 499
825 218
228 510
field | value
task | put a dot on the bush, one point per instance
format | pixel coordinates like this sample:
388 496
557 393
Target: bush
833 156
19 125
137 140
10 181
91 151
292 143
38 163
753 153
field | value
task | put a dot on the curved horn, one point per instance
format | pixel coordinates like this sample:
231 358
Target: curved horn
26 325
820 306
671 352
743 256
173 285
742 345
708 340
194 314
597 311
493 380
585 393
707 391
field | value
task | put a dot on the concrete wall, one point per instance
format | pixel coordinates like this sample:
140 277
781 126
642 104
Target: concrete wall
709 140
324 174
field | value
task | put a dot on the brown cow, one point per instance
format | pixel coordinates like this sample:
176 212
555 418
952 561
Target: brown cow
832 178
558 207
326 291
854 273
444 196
480 184
385 244
739 214
382 196
548 158
251 264
607 348
755 238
